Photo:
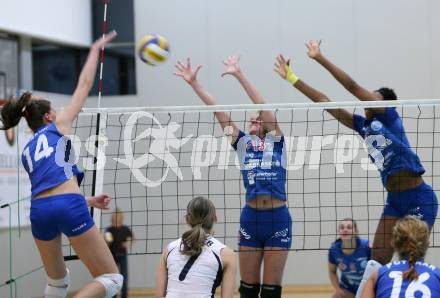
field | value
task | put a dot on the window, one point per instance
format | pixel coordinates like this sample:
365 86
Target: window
56 68
8 65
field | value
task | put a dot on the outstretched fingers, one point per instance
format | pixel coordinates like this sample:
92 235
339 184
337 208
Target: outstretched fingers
188 63
179 74
110 36
181 69
186 71
197 69
232 60
102 41
312 44
281 60
277 69
183 66
279 66
236 58
308 46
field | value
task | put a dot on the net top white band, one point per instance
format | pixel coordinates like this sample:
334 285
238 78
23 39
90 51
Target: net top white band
274 107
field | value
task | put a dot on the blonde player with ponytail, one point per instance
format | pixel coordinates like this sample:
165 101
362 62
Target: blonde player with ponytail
265 233
197 263
410 276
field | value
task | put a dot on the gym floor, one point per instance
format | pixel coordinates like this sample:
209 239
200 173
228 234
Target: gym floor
309 291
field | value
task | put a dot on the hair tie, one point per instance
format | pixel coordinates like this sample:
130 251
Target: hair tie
24 112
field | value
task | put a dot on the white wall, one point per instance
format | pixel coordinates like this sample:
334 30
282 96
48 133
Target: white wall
61 21
380 43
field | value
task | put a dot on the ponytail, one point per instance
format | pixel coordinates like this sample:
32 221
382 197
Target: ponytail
201 217
32 110
13 110
410 239
411 273
193 241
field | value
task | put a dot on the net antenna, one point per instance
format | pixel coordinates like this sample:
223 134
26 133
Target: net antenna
98 175
104 31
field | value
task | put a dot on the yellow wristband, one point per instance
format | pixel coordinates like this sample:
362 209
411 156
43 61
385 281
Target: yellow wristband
290 75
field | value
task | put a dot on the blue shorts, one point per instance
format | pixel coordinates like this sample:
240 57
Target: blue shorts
420 201
265 228
53 215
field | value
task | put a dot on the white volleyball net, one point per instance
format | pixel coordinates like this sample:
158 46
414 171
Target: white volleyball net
154 161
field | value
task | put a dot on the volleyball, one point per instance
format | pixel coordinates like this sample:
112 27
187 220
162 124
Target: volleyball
153 49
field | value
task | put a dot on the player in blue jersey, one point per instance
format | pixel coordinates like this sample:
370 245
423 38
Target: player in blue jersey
265 221
409 276
349 254
382 129
57 205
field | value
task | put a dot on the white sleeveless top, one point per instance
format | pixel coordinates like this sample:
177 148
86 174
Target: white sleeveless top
197 276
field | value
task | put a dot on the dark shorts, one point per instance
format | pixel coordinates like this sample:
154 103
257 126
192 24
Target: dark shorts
420 201
352 289
66 213
265 228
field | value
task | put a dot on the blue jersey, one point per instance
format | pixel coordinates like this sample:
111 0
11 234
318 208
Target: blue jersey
262 164
47 158
387 144
351 266
390 283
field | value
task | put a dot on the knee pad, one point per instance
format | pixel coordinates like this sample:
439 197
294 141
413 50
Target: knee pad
112 283
57 288
249 290
270 291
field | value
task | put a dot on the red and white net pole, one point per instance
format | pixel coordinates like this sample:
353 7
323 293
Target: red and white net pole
97 178
104 31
